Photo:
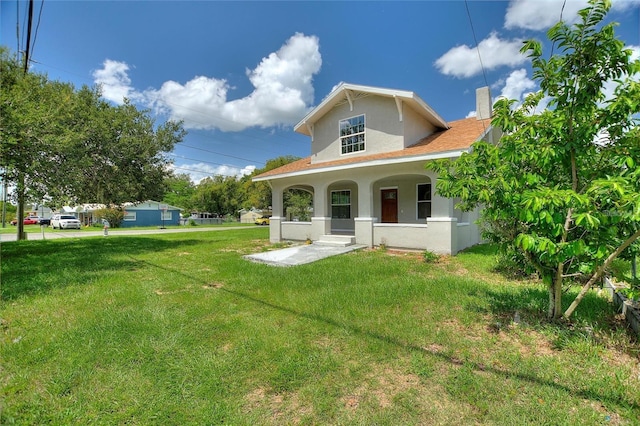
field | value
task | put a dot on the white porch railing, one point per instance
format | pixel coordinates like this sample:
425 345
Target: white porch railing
296 231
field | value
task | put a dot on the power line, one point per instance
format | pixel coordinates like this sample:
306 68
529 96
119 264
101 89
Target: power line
202 172
473 31
17 25
29 23
475 39
35 36
203 161
218 153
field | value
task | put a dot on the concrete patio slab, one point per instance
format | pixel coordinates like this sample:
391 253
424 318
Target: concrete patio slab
299 255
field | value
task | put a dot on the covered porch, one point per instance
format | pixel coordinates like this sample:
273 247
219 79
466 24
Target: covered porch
389 205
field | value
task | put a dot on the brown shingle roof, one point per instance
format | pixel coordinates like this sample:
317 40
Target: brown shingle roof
460 135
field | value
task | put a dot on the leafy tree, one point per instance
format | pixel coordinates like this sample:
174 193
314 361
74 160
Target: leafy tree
258 194
298 203
114 216
9 210
33 113
120 157
219 195
562 187
179 191
71 146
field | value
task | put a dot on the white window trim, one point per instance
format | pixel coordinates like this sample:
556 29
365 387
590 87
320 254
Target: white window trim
418 201
364 133
168 215
130 217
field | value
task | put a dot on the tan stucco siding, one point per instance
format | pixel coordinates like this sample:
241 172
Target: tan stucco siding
416 127
384 130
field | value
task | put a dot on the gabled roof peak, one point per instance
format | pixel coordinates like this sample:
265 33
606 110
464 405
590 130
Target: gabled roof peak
347 91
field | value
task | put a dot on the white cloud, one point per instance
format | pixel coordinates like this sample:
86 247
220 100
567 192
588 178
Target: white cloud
115 81
622 5
462 61
282 81
283 92
517 85
541 14
200 171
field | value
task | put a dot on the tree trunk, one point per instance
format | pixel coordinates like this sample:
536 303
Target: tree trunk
552 301
555 295
21 235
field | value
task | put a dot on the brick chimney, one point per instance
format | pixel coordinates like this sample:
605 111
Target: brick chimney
484 109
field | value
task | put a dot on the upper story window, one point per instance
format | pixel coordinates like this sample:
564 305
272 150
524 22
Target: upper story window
352 134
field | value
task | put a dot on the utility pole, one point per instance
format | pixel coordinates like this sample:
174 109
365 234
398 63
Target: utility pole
4 200
20 184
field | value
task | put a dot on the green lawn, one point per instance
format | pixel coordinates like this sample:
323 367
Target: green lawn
179 329
37 229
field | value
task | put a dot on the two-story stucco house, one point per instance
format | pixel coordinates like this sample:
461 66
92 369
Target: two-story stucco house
366 172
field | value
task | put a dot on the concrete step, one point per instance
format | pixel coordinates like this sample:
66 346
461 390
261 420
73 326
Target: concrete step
336 240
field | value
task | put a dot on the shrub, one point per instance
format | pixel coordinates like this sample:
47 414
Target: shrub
430 257
114 216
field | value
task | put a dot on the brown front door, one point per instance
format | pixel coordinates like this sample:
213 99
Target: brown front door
389 205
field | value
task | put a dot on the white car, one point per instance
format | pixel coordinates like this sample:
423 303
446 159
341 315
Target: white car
65 221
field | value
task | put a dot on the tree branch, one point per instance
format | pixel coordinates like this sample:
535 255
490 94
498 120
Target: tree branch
600 272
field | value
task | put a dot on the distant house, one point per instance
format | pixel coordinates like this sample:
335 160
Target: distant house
367 176
250 216
38 210
150 213
147 213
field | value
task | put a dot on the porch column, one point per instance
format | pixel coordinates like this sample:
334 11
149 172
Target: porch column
321 221
275 223
365 220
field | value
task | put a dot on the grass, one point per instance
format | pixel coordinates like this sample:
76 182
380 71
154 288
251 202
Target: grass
180 329
37 229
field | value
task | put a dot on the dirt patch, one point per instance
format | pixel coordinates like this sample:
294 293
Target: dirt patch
164 293
212 286
280 405
383 386
184 253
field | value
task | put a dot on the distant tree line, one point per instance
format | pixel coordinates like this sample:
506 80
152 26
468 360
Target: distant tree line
226 195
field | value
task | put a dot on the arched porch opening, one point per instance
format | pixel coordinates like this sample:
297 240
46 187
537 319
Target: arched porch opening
296 210
297 203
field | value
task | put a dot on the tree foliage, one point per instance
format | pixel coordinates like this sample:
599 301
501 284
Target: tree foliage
298 202
71 146
258 194
179 191
114 216
562 187
222 195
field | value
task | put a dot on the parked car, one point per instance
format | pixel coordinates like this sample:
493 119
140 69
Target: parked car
65 221
44 221
264 220
29 220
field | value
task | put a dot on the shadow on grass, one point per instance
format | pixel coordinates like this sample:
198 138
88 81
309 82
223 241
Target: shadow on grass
531 302
501 306
33 267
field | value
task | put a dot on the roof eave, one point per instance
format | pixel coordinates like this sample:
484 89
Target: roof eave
371 163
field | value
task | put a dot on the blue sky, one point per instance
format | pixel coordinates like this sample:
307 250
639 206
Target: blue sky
242 74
